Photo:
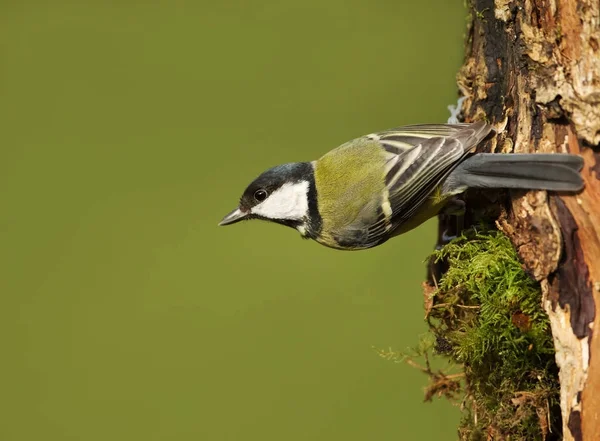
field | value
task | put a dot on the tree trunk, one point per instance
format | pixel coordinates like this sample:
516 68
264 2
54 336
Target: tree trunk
533 70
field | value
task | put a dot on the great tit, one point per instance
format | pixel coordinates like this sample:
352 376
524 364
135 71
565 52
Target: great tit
381 185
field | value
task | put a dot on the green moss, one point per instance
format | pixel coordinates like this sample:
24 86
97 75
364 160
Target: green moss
486 315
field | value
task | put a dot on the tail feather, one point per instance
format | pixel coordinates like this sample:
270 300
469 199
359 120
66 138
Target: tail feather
554 172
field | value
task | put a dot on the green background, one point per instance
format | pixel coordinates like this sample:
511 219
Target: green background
128 130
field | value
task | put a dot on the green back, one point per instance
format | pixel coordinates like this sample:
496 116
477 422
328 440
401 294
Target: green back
346 179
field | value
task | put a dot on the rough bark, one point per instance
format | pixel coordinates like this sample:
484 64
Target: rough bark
533 70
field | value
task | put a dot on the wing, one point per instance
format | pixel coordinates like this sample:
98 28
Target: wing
420 170
422 157
401 139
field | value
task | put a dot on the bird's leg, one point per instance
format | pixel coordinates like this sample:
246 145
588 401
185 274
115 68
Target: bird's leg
455 208
450 225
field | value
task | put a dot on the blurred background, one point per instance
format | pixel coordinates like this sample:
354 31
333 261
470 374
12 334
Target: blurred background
128 130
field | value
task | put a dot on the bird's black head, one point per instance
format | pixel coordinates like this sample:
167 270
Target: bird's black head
272 180
284 194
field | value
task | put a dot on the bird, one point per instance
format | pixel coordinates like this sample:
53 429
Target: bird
375 187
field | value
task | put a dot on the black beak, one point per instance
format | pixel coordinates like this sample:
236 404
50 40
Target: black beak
233 217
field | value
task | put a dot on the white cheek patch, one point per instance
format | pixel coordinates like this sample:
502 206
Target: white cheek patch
290 201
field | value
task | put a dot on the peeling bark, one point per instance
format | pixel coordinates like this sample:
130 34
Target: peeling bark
533 70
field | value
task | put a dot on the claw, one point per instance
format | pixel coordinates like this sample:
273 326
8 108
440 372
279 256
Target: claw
446 238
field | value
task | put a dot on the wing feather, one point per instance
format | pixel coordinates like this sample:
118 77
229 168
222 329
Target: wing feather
401 139
437 157
421 156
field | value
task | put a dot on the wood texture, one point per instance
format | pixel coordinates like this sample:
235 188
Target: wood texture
533 70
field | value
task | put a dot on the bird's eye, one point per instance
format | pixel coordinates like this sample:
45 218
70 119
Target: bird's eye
260 195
